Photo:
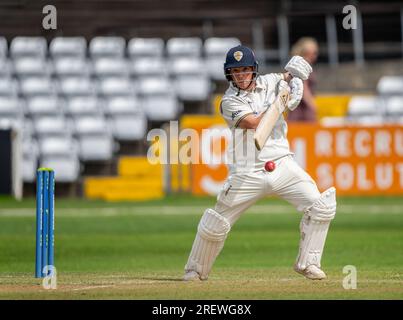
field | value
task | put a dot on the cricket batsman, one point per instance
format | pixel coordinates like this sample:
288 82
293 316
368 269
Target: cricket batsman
273 171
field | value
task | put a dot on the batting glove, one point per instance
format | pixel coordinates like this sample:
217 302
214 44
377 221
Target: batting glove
296 92
299 67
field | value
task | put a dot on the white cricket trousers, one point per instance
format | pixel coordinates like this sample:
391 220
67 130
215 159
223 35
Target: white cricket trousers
288 181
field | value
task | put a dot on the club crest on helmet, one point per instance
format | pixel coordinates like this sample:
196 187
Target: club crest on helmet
238 55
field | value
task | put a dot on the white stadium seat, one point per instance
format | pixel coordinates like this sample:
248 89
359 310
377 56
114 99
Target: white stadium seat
154 85
55 126
68 47
192 87
10 107
88 125
215 50
8 87
28 46
184 47
31 66
394 106
218 47
30 156
96 147
81 106
107 47
191 80
36 86
3 48
109 87
44 106
94 138
363 105
129 127
145 47
71 66
187 65
61 145
66 167
76 86
5 67
390 85
122 106
150 66
106 67
161 107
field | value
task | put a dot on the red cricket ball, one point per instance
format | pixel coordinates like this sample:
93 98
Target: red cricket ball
270 166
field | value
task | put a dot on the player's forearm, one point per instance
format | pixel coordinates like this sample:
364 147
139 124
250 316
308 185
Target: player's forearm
308 97
250 122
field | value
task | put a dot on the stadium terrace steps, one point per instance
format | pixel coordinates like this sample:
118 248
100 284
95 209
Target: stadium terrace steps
137 180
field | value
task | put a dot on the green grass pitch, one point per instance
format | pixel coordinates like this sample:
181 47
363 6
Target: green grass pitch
138 251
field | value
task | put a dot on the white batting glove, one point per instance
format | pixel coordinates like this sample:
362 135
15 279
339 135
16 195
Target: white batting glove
299 67
296 92
282 85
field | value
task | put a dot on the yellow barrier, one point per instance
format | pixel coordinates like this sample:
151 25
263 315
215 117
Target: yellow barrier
137 180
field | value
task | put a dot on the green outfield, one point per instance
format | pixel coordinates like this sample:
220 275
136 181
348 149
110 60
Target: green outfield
138 251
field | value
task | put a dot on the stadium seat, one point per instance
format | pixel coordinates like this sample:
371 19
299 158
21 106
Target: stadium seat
76 86
184 47
68 47
192 87
107 47
85 125
190 79
28 46
218 47
129 127
10 107
154 85
390 85
44 106
150 66
122 106
94 138
3 48
215 50
363 105
145 47
51 126
187 66
71 66
109 87
81 106
5 67
8 87
30 156
161 107
37 86
31 66
370 120
67 168
107 67
59 145
394 106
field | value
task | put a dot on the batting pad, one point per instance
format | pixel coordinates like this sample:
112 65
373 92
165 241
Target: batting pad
211 234
314 226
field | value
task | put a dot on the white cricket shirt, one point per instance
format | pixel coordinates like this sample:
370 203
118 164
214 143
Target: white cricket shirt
237 104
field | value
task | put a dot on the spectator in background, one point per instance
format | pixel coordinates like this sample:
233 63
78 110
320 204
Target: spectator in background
307 48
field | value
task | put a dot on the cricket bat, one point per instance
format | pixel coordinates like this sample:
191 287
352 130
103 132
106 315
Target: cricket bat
270 118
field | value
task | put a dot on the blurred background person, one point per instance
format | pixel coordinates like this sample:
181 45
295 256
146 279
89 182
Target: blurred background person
307 48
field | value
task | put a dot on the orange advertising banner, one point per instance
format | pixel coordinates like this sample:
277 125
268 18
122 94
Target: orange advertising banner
356 160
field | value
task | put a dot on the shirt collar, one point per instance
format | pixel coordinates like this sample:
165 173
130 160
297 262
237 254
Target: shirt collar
242 93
